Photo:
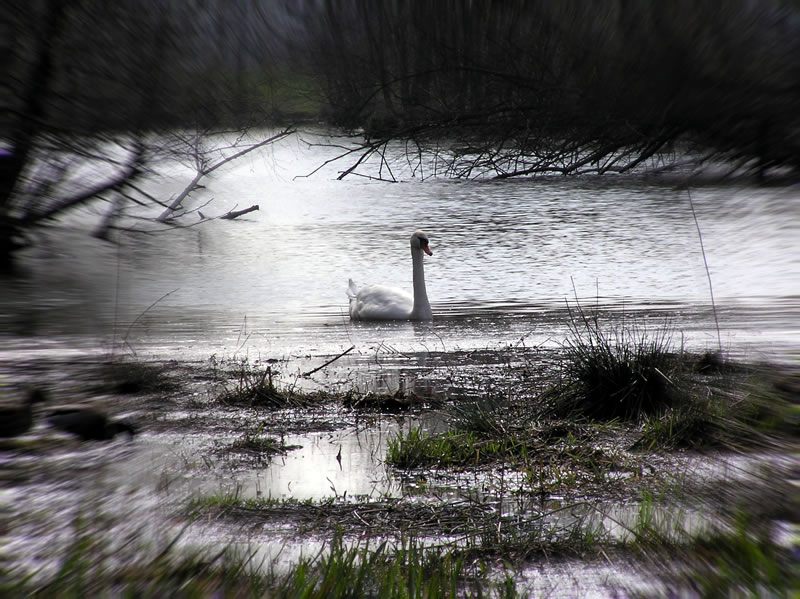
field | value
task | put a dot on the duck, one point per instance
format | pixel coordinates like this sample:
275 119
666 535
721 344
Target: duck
17 420
379 302
89 424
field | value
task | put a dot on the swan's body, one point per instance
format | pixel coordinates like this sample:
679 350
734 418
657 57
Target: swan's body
378 302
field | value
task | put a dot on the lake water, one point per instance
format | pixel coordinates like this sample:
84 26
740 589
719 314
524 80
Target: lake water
507 259
508 256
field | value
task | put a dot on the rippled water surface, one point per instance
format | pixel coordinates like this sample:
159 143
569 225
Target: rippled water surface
507 256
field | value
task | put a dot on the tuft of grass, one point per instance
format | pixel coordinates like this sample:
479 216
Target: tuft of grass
131 377
256 444
232 500
692 426
252 386
770 402
486 417
407 570
743 562
252 442
740 411
623 372
453 448
91 566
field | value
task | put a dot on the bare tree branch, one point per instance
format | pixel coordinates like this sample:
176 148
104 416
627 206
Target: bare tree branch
116 183
231 214
203 171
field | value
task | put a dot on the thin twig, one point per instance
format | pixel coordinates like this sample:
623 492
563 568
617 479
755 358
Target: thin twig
128 330
318 368
708 271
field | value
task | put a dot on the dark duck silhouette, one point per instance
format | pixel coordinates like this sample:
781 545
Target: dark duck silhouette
17 420
88 424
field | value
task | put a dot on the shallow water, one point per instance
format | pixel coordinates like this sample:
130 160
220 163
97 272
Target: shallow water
508 259
508 256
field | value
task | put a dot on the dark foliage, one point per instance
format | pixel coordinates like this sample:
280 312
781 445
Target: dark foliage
521 88
621 372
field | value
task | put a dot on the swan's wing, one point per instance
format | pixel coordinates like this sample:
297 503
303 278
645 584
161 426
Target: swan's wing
377 302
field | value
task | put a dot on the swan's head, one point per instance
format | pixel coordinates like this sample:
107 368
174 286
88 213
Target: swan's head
419 241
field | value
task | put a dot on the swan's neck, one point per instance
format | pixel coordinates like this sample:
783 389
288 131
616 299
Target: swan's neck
422 307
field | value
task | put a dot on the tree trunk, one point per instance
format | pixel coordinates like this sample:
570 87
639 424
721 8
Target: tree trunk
24 132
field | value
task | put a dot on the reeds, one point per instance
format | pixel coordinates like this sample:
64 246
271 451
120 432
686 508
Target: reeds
246 384
609 372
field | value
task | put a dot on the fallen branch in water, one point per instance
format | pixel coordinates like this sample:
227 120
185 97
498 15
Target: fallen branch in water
231 214
318 368
204 168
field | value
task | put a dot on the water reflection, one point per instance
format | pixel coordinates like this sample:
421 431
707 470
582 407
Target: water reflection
314 472
507 255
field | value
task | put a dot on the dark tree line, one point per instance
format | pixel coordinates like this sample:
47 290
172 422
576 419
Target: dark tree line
528 88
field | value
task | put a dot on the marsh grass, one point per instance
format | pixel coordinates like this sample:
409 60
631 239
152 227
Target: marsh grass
227 502
741 559
417 448
246 384
394 570
692 426
86 573
487 417
632 374
732 407
93 563
127 376
549 542
744 561
403 571
473 530
256 444
769 401
738 409
545 465
625 371
387 516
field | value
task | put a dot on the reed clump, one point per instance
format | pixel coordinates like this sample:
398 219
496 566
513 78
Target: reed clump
738 409
617 372
453 448
256 444
251 385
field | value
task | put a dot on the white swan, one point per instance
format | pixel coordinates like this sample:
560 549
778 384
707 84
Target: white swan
377 302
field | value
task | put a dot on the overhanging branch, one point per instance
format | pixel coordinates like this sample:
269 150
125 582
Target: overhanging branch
131 170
